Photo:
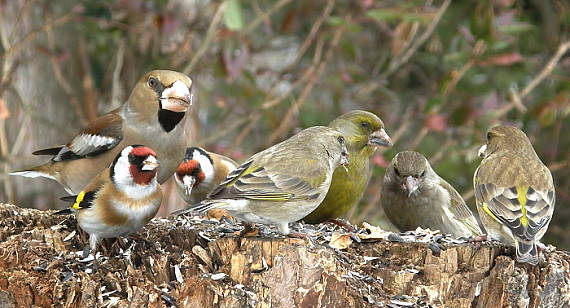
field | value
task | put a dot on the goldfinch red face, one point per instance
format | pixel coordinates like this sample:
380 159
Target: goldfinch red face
196 168
136 165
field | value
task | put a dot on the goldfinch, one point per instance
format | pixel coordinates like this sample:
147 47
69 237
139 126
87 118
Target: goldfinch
514 191
413 195
364 133
283 183
153 115
200 172
122 199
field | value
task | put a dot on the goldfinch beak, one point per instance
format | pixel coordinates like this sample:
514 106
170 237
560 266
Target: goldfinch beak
410 185
176 98
150 164
188 182
482 151
380 138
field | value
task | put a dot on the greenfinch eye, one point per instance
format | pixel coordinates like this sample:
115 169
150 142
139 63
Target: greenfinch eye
423 173
489 136
152 82
341 139
365 125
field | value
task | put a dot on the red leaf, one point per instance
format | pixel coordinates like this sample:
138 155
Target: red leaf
505 59
436 122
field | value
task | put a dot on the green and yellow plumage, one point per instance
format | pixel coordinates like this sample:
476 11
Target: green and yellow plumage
363 132
281 184
514 191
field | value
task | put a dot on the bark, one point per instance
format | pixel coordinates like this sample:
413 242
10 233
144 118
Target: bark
193 262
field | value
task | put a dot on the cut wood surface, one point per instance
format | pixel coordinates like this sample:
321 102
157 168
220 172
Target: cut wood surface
195 262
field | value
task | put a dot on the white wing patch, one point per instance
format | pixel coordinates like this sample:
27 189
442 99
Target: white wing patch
85 144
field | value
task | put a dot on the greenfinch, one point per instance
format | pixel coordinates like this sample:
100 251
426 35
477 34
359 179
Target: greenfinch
283 183
514 192
364 133
414 195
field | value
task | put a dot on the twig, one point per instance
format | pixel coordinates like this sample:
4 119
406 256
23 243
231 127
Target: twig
394 65
286 122
313 33
62 81
265 15
32 35
208 39
517 97
478 50
89 92
115 85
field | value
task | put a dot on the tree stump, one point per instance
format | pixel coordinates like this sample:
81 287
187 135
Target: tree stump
195 262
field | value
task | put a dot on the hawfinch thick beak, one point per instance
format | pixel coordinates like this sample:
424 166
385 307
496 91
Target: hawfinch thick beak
482 151
188 182
380 138
150 164
176 98
410 185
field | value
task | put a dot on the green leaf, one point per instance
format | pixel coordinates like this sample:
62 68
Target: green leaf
384 14
233 17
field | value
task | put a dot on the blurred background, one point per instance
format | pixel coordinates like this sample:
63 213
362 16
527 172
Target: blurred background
439 73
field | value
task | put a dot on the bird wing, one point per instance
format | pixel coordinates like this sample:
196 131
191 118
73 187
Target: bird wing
101 135
524 208
460 210
255 182
85 198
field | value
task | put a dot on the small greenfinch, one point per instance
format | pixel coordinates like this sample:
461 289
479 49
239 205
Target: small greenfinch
414 195
283 183
514 191
364 133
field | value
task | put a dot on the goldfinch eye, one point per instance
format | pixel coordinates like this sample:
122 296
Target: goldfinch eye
489 136
341 139
423 173
152 82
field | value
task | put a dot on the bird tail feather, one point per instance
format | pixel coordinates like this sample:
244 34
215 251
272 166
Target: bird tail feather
527 252
39 171
201 207
64 212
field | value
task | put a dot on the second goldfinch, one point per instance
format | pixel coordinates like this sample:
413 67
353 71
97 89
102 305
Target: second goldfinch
122 199
283 183
413 196
514 191
200 172
364 133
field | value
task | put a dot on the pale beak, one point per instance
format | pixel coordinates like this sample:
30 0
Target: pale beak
188 182
410 185
380 138
344 158
482 151
150 164
177 97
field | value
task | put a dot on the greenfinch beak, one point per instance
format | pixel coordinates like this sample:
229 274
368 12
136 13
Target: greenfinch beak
410 185
150 163
189 182
482 151
176 98
379 138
